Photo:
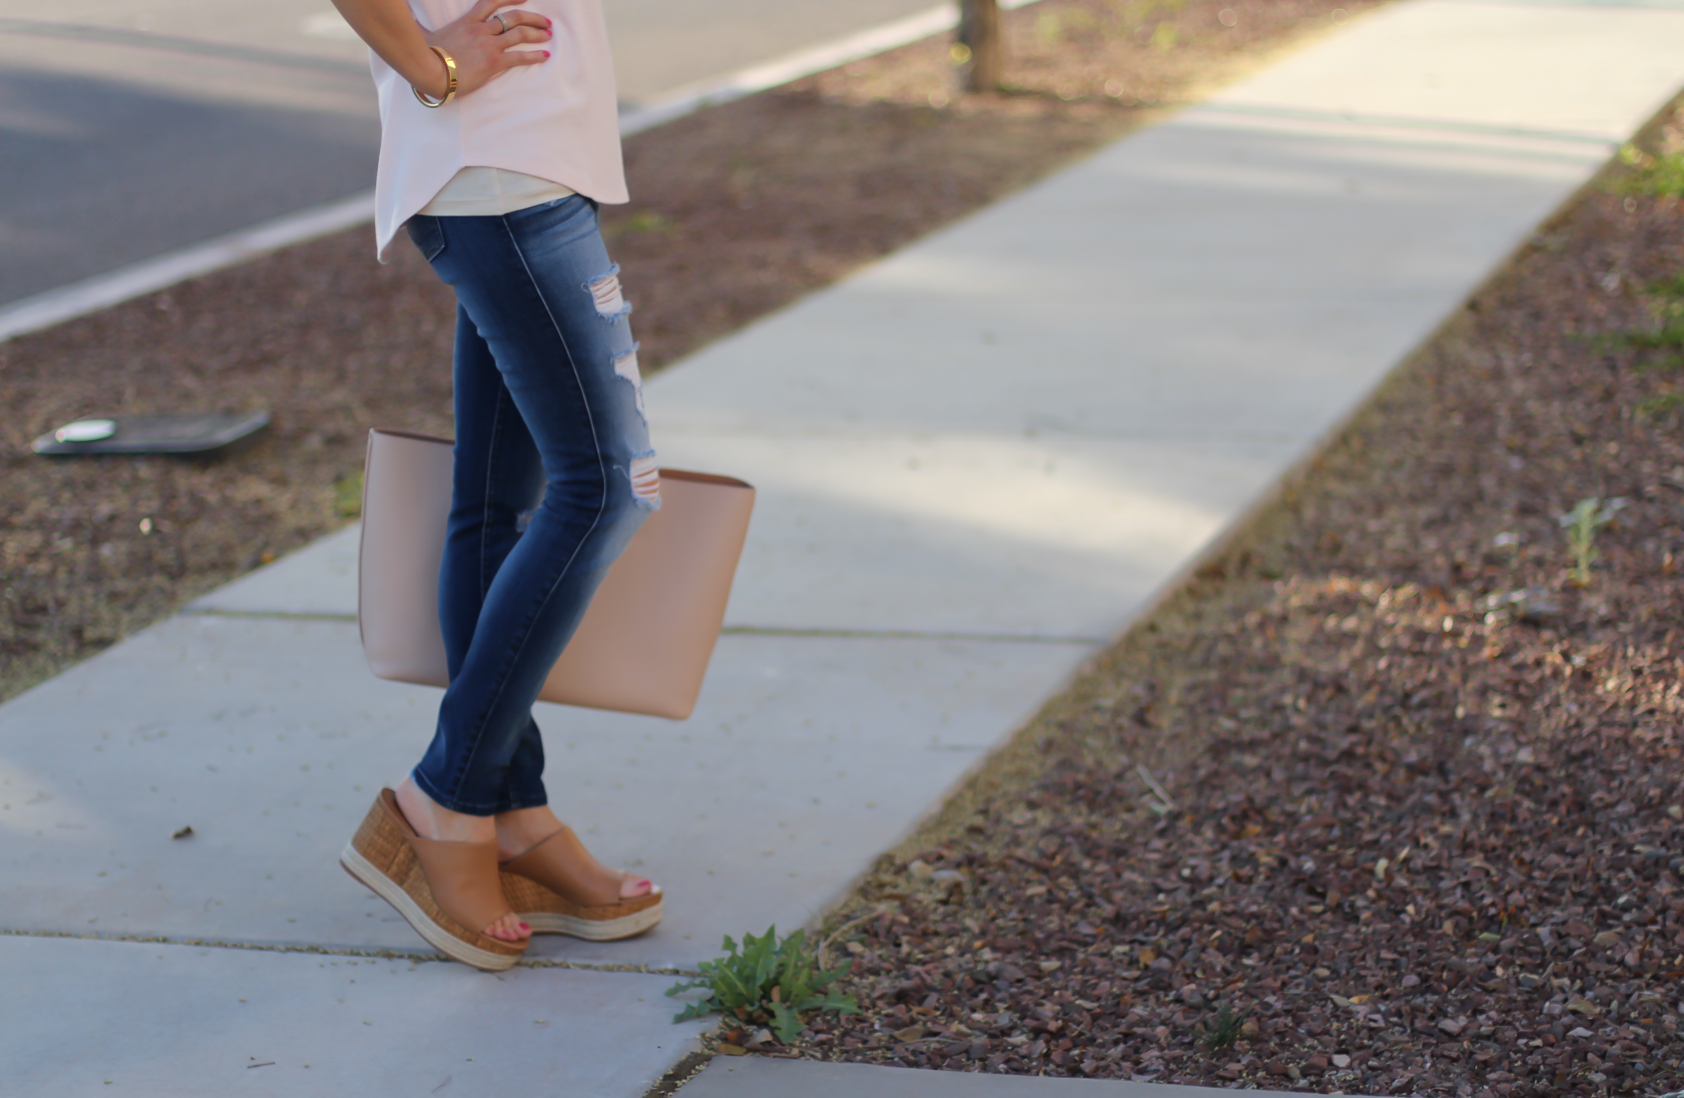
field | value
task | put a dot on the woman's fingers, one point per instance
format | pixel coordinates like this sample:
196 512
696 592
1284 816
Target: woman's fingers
528 33
524 57
504 22
515 58
482 10
485 9
520 36
482 42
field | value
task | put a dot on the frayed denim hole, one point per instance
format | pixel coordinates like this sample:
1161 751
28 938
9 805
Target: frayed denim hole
645 476
524 519
625 366
605 294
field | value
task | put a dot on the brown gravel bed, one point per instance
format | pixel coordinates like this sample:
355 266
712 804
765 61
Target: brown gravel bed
1424 827
741 209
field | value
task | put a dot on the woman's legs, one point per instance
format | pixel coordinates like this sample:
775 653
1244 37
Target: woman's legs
553 476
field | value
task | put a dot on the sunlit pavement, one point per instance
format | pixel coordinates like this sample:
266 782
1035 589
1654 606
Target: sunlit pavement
978 459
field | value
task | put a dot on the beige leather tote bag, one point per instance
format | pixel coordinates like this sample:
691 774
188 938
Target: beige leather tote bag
645 642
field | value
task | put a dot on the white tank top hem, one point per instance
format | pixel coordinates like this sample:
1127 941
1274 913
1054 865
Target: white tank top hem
490 192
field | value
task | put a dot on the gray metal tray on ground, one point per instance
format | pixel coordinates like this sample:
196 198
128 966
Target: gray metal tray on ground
180 434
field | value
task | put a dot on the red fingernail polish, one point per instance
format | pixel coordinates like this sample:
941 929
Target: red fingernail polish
546 55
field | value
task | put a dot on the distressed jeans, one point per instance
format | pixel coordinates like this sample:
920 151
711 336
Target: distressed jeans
553 475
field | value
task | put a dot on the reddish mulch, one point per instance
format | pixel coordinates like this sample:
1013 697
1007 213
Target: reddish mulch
741 209
1427 827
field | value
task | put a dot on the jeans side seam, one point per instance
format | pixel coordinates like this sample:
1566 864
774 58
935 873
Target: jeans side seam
490 487
596 520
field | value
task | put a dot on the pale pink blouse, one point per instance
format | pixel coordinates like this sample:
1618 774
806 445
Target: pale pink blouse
557 121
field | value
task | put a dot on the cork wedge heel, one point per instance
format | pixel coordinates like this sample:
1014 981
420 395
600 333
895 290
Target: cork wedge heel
442 889
558 888
548 912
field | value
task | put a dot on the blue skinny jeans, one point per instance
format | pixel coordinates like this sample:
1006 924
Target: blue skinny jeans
553 475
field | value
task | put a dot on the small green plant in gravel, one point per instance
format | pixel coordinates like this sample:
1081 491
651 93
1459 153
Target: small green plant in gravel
766 982
1658 405
1660 347
1587 517
1666 300
646 221
1660 176
1224 1029
1668 337
348 496
1670 291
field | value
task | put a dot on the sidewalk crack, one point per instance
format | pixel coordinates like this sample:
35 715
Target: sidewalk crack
414 957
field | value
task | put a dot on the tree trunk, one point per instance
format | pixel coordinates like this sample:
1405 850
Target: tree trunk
979 39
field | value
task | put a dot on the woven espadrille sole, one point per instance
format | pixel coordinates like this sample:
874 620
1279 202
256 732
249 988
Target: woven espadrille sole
593 930
548 913
437 936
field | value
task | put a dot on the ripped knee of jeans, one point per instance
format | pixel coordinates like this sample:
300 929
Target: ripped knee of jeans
645 474
611 304
625 366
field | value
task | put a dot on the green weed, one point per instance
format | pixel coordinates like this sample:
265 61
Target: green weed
1656 176
1660 347
1660 405
646 221
1670 337
348 495
1224 1029
1587 517
767 981
1136 12
1070 25
1670 289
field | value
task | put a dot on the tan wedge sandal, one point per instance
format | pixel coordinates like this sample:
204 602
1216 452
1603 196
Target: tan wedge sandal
558 888
442 889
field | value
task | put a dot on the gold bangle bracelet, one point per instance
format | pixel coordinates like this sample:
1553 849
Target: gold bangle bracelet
450 81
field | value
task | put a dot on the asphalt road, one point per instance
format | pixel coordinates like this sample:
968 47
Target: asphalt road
132 128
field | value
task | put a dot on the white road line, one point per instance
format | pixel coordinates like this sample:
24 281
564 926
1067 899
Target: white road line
43 310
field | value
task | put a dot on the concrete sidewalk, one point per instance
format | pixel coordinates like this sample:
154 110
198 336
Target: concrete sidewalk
978 459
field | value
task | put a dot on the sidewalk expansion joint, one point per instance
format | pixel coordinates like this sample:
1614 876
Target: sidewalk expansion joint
347 951
727 631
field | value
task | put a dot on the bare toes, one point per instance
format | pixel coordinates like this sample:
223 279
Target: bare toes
633 887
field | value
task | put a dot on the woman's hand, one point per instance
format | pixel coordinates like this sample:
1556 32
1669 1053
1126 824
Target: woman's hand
479 42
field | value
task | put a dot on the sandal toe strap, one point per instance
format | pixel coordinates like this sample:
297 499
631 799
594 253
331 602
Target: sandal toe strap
463 880
562 864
